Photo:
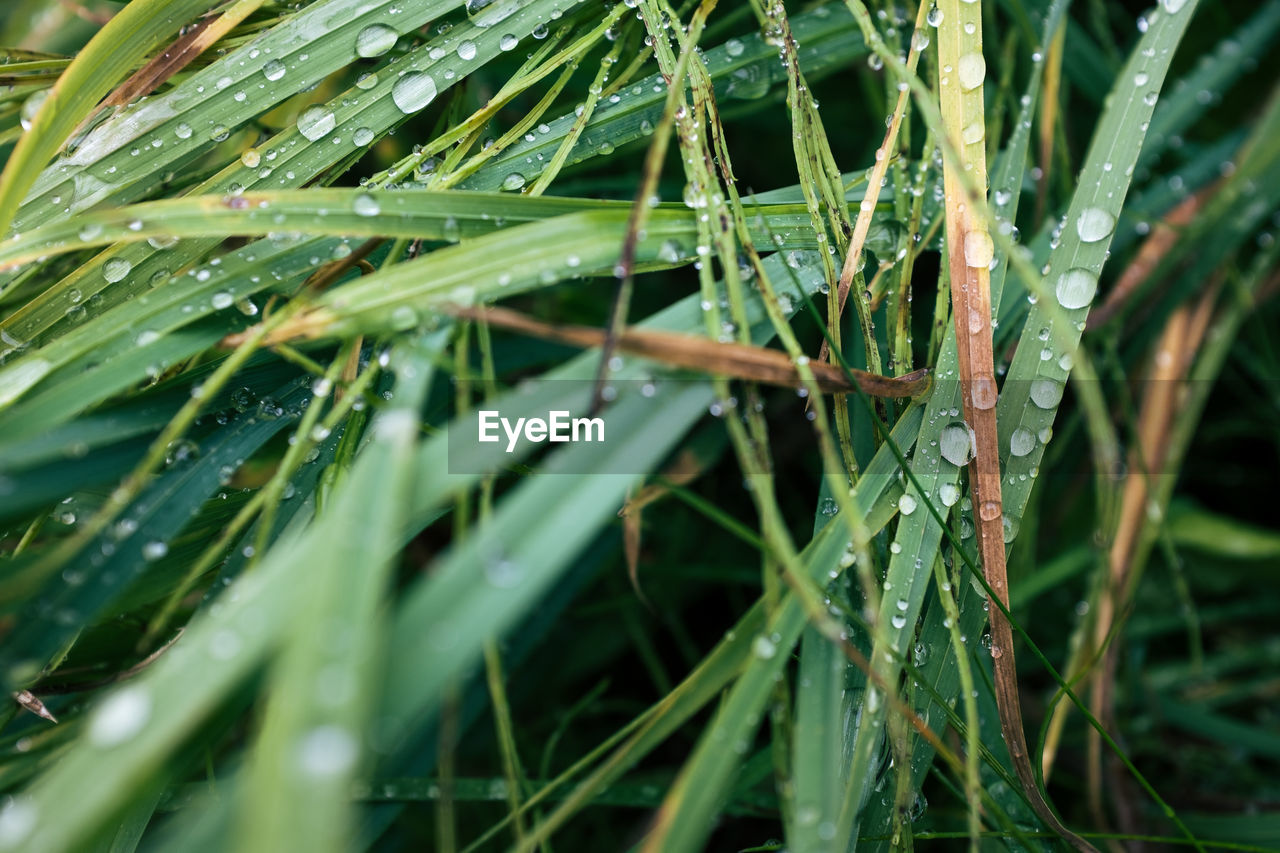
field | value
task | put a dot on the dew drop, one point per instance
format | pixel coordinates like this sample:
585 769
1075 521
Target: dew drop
1076 288
116 269
366 205
362 137
327 751
273 70
413 91
983 392
1022 442
316 122
978 249
972 68
513 181
1095 224
375 40
764 648
906 504
989 510
121 716
1046 393
154 550
956 444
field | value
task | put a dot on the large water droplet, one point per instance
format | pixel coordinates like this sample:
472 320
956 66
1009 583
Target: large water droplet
1046 393
366 205
115 269
972 68
978 249
273 70
375 40
413 91
956 444
327 751
906 504
1173 7
1095 224
948 493
1076 288
983 392
121 716
1022 442
316 122
512 182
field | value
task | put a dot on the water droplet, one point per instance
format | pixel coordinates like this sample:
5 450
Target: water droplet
120 716
467 50
978 249
362 137
327 751
513 181
973 133
1076 288
764 648
31 108
413 91
375 40
1046 393
1173 7
989 510
734 47
182 131
972 68
115 269
948 493
1095 224
508 42
366 205
1022 442
316 122
486 13
403 317
906 504
18 819
154 550
222 299
273 70
956 444
983 392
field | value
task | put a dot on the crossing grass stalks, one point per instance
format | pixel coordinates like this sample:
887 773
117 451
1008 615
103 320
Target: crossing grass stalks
263 262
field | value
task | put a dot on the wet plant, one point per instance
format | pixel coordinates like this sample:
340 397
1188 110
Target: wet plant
931 346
